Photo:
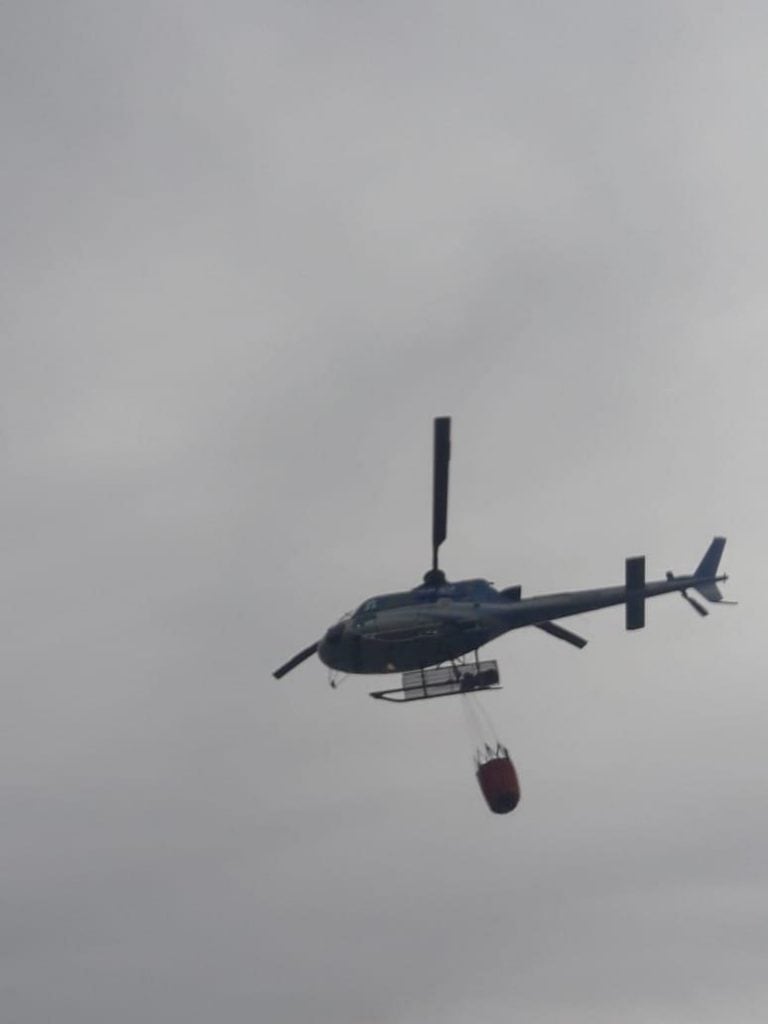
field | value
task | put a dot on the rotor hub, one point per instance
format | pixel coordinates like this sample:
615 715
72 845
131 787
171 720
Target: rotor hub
434 578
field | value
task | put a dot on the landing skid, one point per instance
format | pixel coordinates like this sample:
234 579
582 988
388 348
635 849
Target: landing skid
444 681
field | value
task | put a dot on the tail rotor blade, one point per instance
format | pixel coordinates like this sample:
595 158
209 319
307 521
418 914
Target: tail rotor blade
296 660
442 455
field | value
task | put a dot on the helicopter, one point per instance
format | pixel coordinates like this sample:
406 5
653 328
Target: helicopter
427 632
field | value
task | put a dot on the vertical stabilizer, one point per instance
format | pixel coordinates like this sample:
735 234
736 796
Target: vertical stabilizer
710 563
707 569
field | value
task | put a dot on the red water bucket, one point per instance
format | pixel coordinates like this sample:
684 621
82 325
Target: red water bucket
498 781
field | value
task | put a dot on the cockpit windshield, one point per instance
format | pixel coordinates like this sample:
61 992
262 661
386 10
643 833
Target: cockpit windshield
383 603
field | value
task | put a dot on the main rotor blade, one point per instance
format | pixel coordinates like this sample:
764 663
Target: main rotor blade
296 660
442 456
561 634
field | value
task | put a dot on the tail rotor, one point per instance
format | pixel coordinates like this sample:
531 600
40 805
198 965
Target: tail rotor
705 579
691 600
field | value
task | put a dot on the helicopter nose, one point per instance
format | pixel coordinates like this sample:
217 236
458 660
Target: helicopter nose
334 634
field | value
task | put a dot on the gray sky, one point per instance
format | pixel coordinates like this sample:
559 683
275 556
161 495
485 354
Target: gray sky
249 251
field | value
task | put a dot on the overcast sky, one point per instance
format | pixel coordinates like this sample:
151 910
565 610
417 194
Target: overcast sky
249 250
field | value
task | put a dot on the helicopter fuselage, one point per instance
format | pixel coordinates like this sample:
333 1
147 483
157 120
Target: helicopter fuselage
429 625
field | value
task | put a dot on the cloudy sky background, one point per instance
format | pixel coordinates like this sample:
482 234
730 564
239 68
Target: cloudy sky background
248 252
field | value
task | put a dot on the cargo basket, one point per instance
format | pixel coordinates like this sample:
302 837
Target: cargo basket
443 681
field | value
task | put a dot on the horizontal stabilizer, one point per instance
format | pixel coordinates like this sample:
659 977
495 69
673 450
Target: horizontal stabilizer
562 634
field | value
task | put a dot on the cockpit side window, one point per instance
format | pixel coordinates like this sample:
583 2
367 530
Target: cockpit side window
393 601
